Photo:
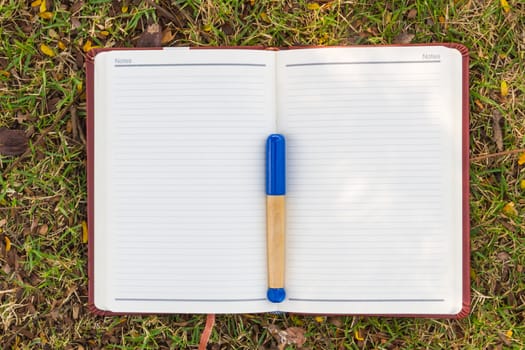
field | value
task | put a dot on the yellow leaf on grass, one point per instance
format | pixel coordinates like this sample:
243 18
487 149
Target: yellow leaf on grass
509 333
87 46
85 234
124 9
521 159
104 33
297 321
265 17
522 184
313 6
505 5
46 50
43 6
510 209
36 3
320 319
207 28
358 335
61 45
7 244
388 17
504 88
46 15
5 73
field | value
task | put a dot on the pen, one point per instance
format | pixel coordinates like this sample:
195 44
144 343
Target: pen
275 215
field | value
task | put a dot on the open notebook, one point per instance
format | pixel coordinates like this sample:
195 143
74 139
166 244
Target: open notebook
377 172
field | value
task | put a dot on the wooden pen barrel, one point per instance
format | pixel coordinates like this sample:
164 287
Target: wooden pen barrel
275 240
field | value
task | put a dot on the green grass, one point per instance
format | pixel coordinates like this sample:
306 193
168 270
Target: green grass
43 282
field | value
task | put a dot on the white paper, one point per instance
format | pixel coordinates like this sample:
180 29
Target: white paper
374 179
179 188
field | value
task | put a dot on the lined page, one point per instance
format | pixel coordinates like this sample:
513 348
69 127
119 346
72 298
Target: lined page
179 183
374 179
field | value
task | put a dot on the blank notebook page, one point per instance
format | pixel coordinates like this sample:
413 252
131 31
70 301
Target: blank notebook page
179 179
374 179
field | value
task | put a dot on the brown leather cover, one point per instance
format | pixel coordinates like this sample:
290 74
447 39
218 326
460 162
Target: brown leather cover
465 164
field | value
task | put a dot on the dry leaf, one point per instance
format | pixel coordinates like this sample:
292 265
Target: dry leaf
152 37
505 6
46 50
43 229
497 120
3 222
504 89
76 7
291 335
479 104
12 142
503 256
75 311
52 33
403 38
336 321
412 14
75 23
167 36
21 117
227 29
295 335
510 209
85 233
69 126
7 244
34 225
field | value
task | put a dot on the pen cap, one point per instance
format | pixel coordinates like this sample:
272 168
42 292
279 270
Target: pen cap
275 165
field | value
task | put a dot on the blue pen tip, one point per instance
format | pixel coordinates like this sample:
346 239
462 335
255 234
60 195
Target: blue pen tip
276 295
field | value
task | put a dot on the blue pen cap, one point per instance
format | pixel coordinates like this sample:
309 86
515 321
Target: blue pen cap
275 165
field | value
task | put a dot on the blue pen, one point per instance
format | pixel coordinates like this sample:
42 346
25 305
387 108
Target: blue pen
275 215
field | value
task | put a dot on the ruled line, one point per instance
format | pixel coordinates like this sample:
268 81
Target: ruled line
359 62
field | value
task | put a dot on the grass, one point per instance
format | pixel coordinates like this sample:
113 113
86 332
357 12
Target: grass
43 282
